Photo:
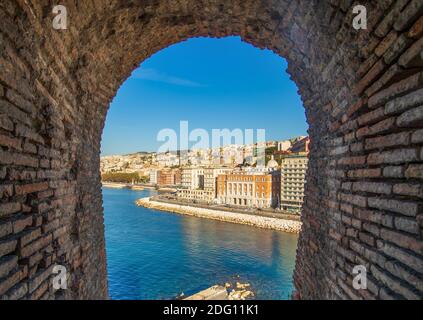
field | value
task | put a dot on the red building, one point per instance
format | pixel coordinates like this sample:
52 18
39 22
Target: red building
302 145
169 177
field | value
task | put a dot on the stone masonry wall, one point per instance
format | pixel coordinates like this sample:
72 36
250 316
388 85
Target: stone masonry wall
363 96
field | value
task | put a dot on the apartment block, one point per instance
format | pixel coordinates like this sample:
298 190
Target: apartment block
200 183
293 173
210 177
154 176
193 178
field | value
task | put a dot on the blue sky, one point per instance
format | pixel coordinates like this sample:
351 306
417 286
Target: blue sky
211 83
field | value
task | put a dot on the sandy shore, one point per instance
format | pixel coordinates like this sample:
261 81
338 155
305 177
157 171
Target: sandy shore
114 185
241 218
118 185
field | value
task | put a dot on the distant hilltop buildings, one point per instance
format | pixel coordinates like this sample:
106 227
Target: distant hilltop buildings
230 175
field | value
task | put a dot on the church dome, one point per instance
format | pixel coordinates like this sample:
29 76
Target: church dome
273 164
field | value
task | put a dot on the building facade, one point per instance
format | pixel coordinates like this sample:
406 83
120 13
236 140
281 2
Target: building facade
154 176
284 145
210 177
193 178
293 173
206 196
249 189
302 145
169 177
200 183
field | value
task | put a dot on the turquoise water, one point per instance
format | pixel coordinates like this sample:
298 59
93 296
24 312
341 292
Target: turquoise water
158 255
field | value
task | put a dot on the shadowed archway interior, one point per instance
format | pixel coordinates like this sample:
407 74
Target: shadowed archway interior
361 90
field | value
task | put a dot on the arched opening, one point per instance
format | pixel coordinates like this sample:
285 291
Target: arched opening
361 91
211 85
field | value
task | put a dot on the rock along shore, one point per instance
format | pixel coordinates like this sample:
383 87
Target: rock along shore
290 226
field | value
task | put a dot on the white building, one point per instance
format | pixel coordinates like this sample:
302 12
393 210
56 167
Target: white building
284 145
168 159
294 168
193 178
154 176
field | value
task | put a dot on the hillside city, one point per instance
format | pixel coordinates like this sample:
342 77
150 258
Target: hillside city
231 175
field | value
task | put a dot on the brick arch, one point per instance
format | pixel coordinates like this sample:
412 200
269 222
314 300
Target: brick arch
361 91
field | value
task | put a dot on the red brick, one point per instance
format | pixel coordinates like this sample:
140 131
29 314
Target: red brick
7 141
393 284
9 282
407 225
391 140
352 161
371 117
7 246
20 102
9 208
21 223
7 264
393 172
404 86
406 257
370 76
374 216
399 46
31 188
29 147
417 136
6 123
409 189
400 239
29 236
410 117
416 30
354 199
414 171
6 190
372 187
365 173
13 112
39 278
404 103
5 228
393 156
412 52
367 238
408 15
400 272
354 108
17 292
404 207
35 246
386 43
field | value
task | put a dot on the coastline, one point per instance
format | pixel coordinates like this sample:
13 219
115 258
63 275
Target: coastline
290 226
114 185
121 185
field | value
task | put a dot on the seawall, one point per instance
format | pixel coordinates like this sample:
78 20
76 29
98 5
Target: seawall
290 226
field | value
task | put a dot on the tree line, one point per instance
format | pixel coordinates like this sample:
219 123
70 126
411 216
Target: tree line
124 177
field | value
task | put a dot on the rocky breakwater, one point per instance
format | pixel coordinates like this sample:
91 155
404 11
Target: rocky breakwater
233 217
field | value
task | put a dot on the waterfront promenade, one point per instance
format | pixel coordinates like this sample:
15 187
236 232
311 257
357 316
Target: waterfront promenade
261 221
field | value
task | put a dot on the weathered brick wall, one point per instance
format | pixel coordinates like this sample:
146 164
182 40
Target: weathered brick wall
362 92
